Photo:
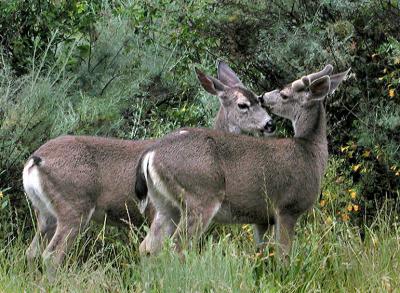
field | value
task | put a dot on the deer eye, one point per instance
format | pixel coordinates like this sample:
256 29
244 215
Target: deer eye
243 106
284 96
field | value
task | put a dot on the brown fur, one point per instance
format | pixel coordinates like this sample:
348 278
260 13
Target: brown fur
101 177
73 179
232 178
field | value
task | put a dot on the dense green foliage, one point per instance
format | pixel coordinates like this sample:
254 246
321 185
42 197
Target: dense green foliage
125 69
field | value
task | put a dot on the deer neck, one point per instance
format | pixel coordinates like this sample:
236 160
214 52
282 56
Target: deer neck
311 125
222 122
310 129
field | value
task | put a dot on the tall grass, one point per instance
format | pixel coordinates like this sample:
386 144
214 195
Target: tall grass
326 257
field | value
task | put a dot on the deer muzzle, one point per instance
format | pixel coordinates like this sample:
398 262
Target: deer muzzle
269 127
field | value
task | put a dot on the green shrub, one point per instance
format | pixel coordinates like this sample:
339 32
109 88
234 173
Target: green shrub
22 23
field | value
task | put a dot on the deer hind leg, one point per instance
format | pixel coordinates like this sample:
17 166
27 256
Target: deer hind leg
167 209
162 227
55 252
46 226
70 220
45 214
195 218
163 224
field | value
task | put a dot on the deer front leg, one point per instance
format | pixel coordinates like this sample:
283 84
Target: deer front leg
194 221
285 223
260 233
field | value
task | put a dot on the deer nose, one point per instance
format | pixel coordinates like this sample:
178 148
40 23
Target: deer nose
270 126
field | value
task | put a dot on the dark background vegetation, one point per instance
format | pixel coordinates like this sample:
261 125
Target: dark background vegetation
126 69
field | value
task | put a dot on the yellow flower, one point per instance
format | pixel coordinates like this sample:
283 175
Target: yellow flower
356 207
322 203
356 167
344 148
350 207
345 217
1 194
353 194
366 153
393 168
397 173
391 93
328 221
247 229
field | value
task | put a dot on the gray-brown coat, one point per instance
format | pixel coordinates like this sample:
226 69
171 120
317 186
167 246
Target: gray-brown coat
232 178
73 179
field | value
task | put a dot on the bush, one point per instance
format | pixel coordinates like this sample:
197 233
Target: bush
27 26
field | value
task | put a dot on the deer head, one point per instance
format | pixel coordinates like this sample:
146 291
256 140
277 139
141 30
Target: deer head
302 98
304 92
239 106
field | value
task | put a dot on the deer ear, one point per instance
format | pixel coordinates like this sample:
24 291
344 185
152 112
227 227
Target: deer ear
337 79
210 84
227 76
319 88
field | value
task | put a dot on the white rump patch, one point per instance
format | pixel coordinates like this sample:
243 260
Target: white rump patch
143 203
33 188
158 184
145 162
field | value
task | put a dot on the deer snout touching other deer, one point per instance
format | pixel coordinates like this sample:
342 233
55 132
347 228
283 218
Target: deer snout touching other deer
270 127
72 180
239 105
228 178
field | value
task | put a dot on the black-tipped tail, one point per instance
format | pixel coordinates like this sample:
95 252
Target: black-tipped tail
141 184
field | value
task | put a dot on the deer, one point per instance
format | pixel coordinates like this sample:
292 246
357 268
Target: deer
71 180
227 178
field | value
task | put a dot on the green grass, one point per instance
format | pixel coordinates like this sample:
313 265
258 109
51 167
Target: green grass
326 257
